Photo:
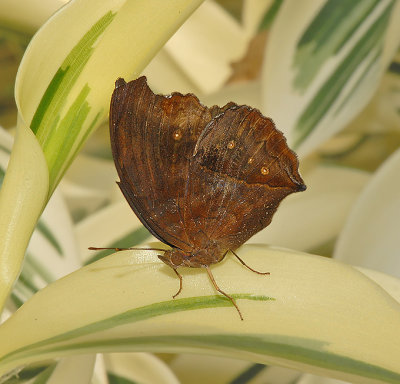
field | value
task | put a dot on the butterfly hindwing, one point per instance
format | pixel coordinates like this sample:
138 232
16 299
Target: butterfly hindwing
244 168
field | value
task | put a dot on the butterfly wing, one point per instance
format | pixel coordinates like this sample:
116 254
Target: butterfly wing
240 171
152 139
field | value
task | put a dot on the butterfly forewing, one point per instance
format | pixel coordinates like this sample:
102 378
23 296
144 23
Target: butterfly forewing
153 138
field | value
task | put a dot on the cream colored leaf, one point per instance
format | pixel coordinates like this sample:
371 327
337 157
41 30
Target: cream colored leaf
311 321
62 92
321 71
205 46
22 198
139 368
370 236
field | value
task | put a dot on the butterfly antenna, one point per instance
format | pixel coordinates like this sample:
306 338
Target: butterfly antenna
222 292
128 249
251 269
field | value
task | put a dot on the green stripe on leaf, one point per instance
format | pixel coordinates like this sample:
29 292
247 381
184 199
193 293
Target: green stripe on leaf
59 130
327 34
54 97
306 351
372 64
131 316
289 348
330 91
270 15
58 146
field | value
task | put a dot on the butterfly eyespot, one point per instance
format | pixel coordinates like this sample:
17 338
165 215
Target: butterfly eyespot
177 135
231 144
264 170
251 160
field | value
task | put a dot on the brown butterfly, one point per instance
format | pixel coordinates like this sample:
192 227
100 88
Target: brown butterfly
202 180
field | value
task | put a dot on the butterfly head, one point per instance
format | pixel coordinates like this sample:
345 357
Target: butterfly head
175 258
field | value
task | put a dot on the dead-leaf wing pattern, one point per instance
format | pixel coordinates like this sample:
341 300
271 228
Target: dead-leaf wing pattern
241 170
152 138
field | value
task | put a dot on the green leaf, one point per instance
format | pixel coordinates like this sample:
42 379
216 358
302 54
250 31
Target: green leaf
327 35
329 92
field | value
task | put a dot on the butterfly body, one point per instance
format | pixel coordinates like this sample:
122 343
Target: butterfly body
195 258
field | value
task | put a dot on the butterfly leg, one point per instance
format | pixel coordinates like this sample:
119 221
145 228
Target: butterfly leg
251 269
180 283
222 292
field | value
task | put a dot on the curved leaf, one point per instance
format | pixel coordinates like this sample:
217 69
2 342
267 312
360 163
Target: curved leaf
323 62
53 239
370 236
22 198
124 304
62 92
